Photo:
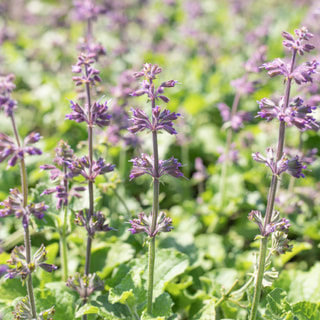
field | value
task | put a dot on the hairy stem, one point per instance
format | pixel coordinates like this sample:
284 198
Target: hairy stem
155 212
27 238
270 203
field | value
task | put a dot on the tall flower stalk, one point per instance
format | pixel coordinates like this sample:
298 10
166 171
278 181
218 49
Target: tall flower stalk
289 113
161 120
17 203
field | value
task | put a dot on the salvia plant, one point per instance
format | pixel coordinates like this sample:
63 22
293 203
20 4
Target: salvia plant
23 263
289 112
158 120
124 253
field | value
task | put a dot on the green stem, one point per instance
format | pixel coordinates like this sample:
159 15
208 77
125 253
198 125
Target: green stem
27 238
270 203
63 245
155 212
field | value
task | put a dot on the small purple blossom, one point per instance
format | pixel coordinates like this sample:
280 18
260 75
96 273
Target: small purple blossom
145 165
297 44
291 166
276 224
14 205
22 268
236 121
6 87
244 86
92 223
233 154
87 10
143 224
297 114
85 285
8 148
161 120
98 112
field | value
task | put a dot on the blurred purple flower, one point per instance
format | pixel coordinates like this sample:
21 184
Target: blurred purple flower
87 10
244 86
200 174
81 166
232 156
237 120
8 148
297 44
258 57
296 114
145 165
6 87
14 205
98 114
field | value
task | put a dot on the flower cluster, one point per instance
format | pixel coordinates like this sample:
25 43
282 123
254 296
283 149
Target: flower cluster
276 224
59 172
150 71
87 10
89 75
97 116
22 268
6 87
85 285
236 121
161 120
145 165
92 223
297 114
22 310
9 149
81 166
292 166
14 205
302 73
143 224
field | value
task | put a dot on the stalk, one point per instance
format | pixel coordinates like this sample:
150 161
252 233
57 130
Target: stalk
270 203
225 164
155 212
27 238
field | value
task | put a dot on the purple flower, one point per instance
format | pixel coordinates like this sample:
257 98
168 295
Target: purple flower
92 223
6 87
233 154
297 44
291 166
147 87
244 86
143 224
145 165
99 115
8 148
237 120
296 114
14 205
22 268
81 167
87 10
160 120
85 285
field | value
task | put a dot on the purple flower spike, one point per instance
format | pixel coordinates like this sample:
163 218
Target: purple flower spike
145 165
143 224
294 168
6 87
161 120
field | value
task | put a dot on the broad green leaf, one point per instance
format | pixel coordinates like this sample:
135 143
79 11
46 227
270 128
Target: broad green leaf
169 264
305 310
11 289
87 309
59 296
278 305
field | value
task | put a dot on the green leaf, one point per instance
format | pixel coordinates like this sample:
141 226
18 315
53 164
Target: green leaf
305 310
278 305
169 264
208 311
11 289
87 309
57 295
